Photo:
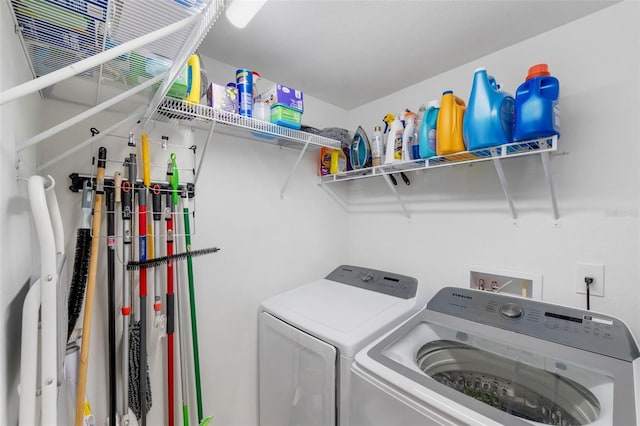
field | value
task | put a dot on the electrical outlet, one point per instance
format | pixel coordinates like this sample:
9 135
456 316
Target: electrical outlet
594 270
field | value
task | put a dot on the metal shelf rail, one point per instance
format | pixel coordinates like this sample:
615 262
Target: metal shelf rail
497 154
182 113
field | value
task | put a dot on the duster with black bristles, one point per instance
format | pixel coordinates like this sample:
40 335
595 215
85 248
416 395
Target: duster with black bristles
81 261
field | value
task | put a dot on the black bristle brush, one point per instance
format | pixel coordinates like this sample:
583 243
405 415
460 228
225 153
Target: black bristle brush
81 261
160 261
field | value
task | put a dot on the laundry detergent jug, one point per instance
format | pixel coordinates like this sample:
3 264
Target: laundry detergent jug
449 124
427 138
536 107
488 120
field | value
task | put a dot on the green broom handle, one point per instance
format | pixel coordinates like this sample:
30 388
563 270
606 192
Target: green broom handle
192 304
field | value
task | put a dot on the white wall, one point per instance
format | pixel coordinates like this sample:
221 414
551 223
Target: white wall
459 214
19 120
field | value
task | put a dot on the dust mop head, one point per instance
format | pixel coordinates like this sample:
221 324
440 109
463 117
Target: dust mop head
134 372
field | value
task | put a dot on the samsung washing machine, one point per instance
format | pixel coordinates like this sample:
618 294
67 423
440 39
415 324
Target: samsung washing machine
480 358
308 337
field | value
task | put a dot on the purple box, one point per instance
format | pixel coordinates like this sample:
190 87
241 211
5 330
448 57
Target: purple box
279 94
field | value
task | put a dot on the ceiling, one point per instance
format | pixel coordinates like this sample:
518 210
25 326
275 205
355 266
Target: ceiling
351 52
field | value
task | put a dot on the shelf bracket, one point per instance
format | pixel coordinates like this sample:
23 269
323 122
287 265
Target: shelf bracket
295 166
547 172
395 192
505 187
204 150
135 116
86 114
338 199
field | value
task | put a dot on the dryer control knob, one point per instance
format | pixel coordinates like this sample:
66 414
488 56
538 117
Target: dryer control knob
367 277
511 310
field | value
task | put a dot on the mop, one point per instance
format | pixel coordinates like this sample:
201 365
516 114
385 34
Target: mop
128 417
88 307
141 403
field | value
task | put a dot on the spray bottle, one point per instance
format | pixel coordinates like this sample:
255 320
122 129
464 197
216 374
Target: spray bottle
394 140
407 136
377 147
415 147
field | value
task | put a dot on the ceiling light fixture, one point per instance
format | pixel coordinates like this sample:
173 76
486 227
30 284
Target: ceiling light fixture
240 12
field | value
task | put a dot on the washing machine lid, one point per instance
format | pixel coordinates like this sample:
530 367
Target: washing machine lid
350 307
507 359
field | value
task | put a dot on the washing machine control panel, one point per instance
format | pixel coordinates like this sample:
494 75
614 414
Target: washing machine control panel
581 329
383 282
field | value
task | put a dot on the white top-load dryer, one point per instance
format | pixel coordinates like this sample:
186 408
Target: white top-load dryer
479 358
309 336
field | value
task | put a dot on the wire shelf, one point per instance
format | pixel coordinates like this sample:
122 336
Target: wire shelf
60 33
183 113
516 149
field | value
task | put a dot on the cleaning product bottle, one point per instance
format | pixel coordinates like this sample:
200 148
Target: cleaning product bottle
394 141
377 147
407 135
536 106
428 130
244 84
324 161
415 147
345 145
449 125
338 161
488 120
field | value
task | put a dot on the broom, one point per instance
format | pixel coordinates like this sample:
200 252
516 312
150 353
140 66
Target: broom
91 284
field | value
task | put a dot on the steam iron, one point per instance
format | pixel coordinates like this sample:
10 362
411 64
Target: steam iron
360 152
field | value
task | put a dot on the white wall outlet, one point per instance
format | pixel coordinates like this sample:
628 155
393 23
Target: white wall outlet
594 270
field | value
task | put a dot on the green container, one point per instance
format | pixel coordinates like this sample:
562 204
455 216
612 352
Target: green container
286 117
179 88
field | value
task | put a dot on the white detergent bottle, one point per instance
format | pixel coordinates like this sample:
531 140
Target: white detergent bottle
407 136
394 141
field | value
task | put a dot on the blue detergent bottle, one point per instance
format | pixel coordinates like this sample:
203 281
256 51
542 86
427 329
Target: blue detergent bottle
536 108
427 137
489 118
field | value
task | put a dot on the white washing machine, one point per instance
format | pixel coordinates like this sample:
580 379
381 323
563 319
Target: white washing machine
480 358
309 336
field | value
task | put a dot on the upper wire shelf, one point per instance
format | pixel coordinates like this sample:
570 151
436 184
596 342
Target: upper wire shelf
516 149
183 113
59 33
